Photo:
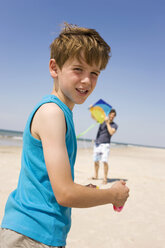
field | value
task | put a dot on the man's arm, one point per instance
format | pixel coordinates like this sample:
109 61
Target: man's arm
51 130
111 130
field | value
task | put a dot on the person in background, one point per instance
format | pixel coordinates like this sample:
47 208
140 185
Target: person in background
102 144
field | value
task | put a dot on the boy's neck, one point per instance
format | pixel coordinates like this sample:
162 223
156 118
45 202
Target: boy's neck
62 99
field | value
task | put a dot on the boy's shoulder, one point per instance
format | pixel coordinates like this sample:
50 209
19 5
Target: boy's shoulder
49 111
49 108
48 116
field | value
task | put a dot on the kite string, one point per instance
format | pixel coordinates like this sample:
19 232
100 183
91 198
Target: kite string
90 127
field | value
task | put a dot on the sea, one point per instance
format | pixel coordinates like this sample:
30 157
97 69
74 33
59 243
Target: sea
10 138
15 138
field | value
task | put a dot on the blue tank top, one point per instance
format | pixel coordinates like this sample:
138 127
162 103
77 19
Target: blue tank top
32 209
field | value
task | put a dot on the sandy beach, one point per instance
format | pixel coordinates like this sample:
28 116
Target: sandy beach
141 224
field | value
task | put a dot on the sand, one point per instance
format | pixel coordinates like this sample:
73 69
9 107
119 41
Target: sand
141 224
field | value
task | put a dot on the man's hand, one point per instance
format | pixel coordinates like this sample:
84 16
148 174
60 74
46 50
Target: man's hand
110 129
106 119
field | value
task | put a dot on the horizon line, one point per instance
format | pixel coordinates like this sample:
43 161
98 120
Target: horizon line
90 140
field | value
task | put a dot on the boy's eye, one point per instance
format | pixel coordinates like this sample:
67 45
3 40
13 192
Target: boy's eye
77 69
95 74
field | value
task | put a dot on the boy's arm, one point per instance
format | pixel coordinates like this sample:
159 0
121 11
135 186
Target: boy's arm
51 130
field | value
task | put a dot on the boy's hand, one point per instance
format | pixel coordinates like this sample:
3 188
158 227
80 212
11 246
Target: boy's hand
121 193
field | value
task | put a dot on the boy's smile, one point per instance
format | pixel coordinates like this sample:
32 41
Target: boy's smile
75 81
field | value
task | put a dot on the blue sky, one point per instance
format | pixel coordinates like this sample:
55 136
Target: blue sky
133 82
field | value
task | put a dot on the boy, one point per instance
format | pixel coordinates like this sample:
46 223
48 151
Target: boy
38 212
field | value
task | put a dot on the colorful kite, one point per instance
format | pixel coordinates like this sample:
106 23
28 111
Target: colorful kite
100 110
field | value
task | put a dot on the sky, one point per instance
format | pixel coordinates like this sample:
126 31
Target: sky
133 81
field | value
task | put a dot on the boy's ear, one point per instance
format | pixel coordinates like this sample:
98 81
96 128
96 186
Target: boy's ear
53 68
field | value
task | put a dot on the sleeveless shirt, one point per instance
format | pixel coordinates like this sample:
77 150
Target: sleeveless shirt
32 209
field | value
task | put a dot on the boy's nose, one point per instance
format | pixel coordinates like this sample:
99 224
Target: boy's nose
85 79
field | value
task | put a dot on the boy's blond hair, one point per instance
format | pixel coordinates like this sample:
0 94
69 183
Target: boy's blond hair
74 40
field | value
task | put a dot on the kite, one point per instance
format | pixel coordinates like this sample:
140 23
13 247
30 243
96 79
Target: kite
99 111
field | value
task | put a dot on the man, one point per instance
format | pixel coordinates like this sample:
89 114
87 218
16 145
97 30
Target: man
102 143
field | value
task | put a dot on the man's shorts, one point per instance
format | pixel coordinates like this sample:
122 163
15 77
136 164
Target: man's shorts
101 152
12 239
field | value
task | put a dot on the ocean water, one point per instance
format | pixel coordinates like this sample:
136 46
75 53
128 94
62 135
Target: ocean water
10 138
15 138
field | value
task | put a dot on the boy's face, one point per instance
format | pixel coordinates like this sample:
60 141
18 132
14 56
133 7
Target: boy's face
75 81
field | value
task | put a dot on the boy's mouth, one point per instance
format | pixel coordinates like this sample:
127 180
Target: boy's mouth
81 91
